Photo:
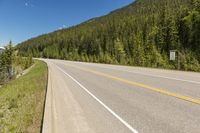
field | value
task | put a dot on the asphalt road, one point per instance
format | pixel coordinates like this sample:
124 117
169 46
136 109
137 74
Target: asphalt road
99 98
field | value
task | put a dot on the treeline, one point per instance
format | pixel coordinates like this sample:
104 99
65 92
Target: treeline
141 34
11 64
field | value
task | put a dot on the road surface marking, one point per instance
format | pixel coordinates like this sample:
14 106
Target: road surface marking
99 101
151 75
185 98
158 76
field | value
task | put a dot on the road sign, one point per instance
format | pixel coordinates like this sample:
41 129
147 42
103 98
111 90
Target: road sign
172 55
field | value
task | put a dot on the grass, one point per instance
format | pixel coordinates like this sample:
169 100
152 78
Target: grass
22 101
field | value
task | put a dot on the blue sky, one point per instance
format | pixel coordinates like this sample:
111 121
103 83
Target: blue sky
24 19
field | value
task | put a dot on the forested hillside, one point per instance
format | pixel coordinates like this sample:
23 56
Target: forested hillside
140 34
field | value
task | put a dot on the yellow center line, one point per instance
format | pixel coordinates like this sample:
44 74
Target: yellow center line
182 97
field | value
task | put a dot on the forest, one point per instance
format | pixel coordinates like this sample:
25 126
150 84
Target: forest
140 34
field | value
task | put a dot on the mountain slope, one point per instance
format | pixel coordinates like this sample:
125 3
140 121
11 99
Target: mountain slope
141 34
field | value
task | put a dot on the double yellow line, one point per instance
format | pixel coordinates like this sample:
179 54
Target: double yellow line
182 97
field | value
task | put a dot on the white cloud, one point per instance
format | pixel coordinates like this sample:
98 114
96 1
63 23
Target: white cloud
26 4
29 4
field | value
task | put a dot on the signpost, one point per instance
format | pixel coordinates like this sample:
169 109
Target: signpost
173 55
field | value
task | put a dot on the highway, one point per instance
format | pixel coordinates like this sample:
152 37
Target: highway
99 98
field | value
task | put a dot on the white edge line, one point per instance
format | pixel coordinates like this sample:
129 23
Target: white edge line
98 100
157 76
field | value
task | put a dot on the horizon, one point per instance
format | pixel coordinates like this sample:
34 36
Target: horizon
32 18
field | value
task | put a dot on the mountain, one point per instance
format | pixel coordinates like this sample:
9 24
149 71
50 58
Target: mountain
140 34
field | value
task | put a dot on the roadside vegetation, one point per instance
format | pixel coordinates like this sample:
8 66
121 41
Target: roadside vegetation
140 34
11 64
22 92
22 101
